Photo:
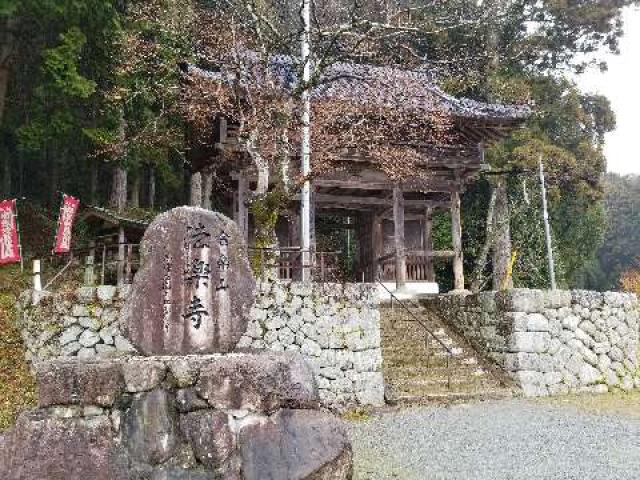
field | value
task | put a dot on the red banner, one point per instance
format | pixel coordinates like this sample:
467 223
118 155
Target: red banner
68 212
9 243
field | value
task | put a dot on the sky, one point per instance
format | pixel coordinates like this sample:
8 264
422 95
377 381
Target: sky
621 84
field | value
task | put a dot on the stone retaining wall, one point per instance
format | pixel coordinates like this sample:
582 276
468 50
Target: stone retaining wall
336 328
83 323
551 342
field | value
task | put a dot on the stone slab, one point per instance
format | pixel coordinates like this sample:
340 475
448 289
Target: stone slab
259 383
296 444
77 382
41 447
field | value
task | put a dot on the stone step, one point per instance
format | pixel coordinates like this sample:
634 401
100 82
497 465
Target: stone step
431 372
421 358
448 398
421 349
417 375
430 383
396 391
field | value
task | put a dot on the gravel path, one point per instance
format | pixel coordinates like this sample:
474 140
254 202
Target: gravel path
511 439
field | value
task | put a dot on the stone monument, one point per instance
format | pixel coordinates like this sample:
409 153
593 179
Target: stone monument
194 289
188 409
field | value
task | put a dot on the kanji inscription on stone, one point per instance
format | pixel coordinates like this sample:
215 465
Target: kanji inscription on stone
195 312
195 287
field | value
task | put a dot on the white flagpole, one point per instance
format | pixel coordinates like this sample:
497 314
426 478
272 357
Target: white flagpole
305 194
547 228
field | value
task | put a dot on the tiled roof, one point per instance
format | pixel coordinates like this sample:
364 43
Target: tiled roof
381 85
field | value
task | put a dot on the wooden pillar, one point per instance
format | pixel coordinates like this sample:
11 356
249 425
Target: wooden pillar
312 220
398 221
128 270
243 212
294 241
294 228
430 275
377 245
456 234
120 261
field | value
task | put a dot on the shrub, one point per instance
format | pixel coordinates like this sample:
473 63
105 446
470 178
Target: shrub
630 281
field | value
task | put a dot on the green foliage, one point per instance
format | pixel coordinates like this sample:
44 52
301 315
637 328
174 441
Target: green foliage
60 65
621 249
17 386
266 210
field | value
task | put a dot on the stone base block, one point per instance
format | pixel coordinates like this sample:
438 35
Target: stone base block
230 417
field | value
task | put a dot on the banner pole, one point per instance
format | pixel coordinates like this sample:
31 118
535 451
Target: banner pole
15 217
55 236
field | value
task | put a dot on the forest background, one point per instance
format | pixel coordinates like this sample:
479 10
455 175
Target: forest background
92 103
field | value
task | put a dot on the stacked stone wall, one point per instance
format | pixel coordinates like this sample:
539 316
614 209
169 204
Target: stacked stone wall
551 342
336 328
83 323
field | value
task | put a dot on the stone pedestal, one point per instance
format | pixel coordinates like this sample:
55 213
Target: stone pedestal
237 416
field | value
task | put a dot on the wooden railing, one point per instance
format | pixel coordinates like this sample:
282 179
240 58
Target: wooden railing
116 264
417 264
287 263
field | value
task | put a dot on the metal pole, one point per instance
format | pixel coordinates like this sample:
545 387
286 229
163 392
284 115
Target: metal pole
305 197
15 216
547 228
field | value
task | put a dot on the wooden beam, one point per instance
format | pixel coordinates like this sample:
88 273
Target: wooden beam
321 198
420 253
456 234
398 221
432 185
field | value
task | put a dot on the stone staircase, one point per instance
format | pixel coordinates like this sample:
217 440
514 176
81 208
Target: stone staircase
419 369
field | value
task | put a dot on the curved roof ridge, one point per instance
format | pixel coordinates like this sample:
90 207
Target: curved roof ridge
379 84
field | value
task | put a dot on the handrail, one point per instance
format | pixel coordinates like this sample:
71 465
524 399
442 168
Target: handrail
415 317
426 329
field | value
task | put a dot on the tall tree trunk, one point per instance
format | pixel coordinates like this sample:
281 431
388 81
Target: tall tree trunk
502 279
7 44
152 187
6 173
135 192
53 176
196 190
207 185
481 262
118 200
93 194
261 164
